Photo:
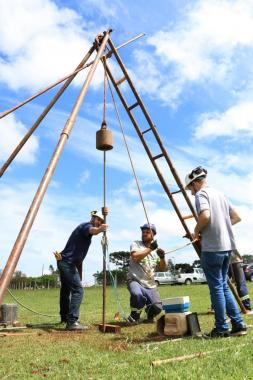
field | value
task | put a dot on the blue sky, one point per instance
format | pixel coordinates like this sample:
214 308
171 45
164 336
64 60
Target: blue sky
193 70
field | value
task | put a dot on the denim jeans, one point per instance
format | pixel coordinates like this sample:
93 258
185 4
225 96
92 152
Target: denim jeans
71 293
215 266
141 297
236 271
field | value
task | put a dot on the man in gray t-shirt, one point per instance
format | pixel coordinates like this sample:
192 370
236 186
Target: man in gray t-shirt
214 229
145 258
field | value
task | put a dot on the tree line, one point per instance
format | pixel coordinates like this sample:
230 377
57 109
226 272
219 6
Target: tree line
121 260
22 281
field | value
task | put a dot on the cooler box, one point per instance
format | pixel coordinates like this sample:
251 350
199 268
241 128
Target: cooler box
176 304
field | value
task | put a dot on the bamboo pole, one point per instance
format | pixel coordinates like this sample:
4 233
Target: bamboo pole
27 225
198 355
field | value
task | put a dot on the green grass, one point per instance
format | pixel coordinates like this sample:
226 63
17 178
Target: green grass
56 354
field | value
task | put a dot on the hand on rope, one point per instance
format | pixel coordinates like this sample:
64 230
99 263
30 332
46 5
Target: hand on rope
161 253
181 247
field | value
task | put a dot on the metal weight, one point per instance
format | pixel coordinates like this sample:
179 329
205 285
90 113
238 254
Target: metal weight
104 139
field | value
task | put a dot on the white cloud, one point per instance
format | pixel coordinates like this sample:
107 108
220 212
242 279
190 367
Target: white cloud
40 43
85 176
107 11
12 131
237 121
200 48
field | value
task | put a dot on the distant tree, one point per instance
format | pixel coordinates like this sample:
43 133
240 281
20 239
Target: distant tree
18 274
118 275
170 265
184 267
196 263
51 269
120 259
247 258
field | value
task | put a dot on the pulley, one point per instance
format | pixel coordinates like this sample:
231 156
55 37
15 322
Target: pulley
104 139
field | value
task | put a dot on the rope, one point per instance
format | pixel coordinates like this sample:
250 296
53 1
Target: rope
181 247
127 148
27 308
113 282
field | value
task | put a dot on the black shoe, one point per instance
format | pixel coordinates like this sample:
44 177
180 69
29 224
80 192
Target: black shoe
131 321
238 330
148 320
76 326
216 334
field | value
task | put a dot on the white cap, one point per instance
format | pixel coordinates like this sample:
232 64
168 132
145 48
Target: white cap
97 214
193 175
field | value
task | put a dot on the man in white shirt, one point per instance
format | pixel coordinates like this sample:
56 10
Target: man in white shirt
145 258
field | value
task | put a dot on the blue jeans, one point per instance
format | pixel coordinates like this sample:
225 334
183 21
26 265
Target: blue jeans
71 293
215 266
236 272
141 297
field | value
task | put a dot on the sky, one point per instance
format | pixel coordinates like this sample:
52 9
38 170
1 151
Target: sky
193 70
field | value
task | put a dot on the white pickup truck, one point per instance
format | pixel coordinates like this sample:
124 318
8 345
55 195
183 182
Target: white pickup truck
197 276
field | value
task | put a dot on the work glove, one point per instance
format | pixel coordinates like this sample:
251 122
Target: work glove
160 252
153 245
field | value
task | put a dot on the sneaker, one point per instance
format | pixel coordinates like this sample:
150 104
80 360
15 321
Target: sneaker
249 312
216 334
76 326
131 321
239 330
148 320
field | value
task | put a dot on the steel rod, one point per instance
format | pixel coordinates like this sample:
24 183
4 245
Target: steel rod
104 248
29 219
43 114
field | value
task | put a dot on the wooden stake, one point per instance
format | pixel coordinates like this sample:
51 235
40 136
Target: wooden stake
157 363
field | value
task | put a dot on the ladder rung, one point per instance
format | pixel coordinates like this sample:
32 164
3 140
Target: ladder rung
158 156
121 80
146 130
176 192
188 216
133 106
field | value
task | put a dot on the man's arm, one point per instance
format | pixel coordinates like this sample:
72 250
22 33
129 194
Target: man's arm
161 266
203 220
98 230
234 217
137 256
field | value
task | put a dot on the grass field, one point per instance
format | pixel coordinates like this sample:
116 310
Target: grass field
53 353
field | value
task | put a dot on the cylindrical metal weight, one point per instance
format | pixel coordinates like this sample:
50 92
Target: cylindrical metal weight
104 139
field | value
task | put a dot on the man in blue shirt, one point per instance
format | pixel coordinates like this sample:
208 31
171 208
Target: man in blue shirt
69 263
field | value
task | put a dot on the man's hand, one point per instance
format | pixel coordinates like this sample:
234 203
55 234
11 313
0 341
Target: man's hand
103 227
161 253
196 235
153 245
57 255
